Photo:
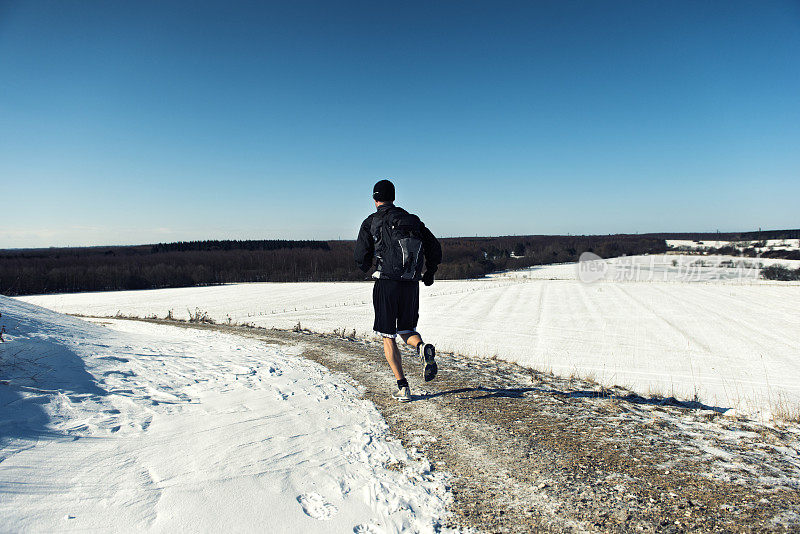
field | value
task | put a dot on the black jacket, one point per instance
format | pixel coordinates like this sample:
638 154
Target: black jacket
365 244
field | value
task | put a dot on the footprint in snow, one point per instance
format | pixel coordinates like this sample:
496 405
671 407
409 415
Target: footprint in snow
114 359
366 529
120 373
314 505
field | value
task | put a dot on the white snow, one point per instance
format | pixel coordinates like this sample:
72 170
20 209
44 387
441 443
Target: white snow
659 268
760 246
713 331
128 426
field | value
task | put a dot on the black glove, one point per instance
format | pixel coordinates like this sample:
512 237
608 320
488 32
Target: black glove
427 278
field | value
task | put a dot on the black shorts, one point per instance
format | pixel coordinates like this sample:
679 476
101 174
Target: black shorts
396 306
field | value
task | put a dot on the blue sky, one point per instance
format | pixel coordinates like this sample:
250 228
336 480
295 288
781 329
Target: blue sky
140 122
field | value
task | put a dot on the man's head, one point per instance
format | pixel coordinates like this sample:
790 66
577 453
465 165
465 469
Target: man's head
383 192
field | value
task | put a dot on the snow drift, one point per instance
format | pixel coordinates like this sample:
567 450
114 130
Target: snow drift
124 426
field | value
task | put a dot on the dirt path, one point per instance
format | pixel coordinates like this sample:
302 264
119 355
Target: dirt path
532 452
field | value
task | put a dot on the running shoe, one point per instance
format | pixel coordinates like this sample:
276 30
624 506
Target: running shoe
427 354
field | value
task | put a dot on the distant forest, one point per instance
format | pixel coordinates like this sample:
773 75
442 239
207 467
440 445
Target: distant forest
758 235
184 264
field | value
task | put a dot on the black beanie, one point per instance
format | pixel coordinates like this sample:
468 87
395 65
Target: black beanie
383 191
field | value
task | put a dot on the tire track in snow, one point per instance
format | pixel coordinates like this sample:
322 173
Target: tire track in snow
623 290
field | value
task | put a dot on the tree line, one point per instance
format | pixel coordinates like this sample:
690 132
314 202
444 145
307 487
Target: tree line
234 244
473 257
755 235
164 265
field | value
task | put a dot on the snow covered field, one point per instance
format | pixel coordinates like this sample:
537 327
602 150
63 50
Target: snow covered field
127 426
760 246
717 333
659 268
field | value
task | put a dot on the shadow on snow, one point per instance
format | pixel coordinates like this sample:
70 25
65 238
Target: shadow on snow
35 370
518 393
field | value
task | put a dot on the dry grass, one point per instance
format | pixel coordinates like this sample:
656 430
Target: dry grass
344 333
200 316
784 411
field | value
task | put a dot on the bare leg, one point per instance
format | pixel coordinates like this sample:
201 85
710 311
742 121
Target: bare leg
429 365
412 339
393 357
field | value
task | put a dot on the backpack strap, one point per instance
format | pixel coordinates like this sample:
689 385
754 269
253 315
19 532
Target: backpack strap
379 218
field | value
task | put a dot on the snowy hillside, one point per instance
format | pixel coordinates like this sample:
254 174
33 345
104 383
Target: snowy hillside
661 268
711 331
761 246
127 426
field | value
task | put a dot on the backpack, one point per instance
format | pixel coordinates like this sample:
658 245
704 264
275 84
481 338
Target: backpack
398 244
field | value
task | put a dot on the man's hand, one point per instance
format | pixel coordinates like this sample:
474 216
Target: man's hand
427 278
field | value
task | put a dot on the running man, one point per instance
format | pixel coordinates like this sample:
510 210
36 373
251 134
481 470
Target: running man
402 246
